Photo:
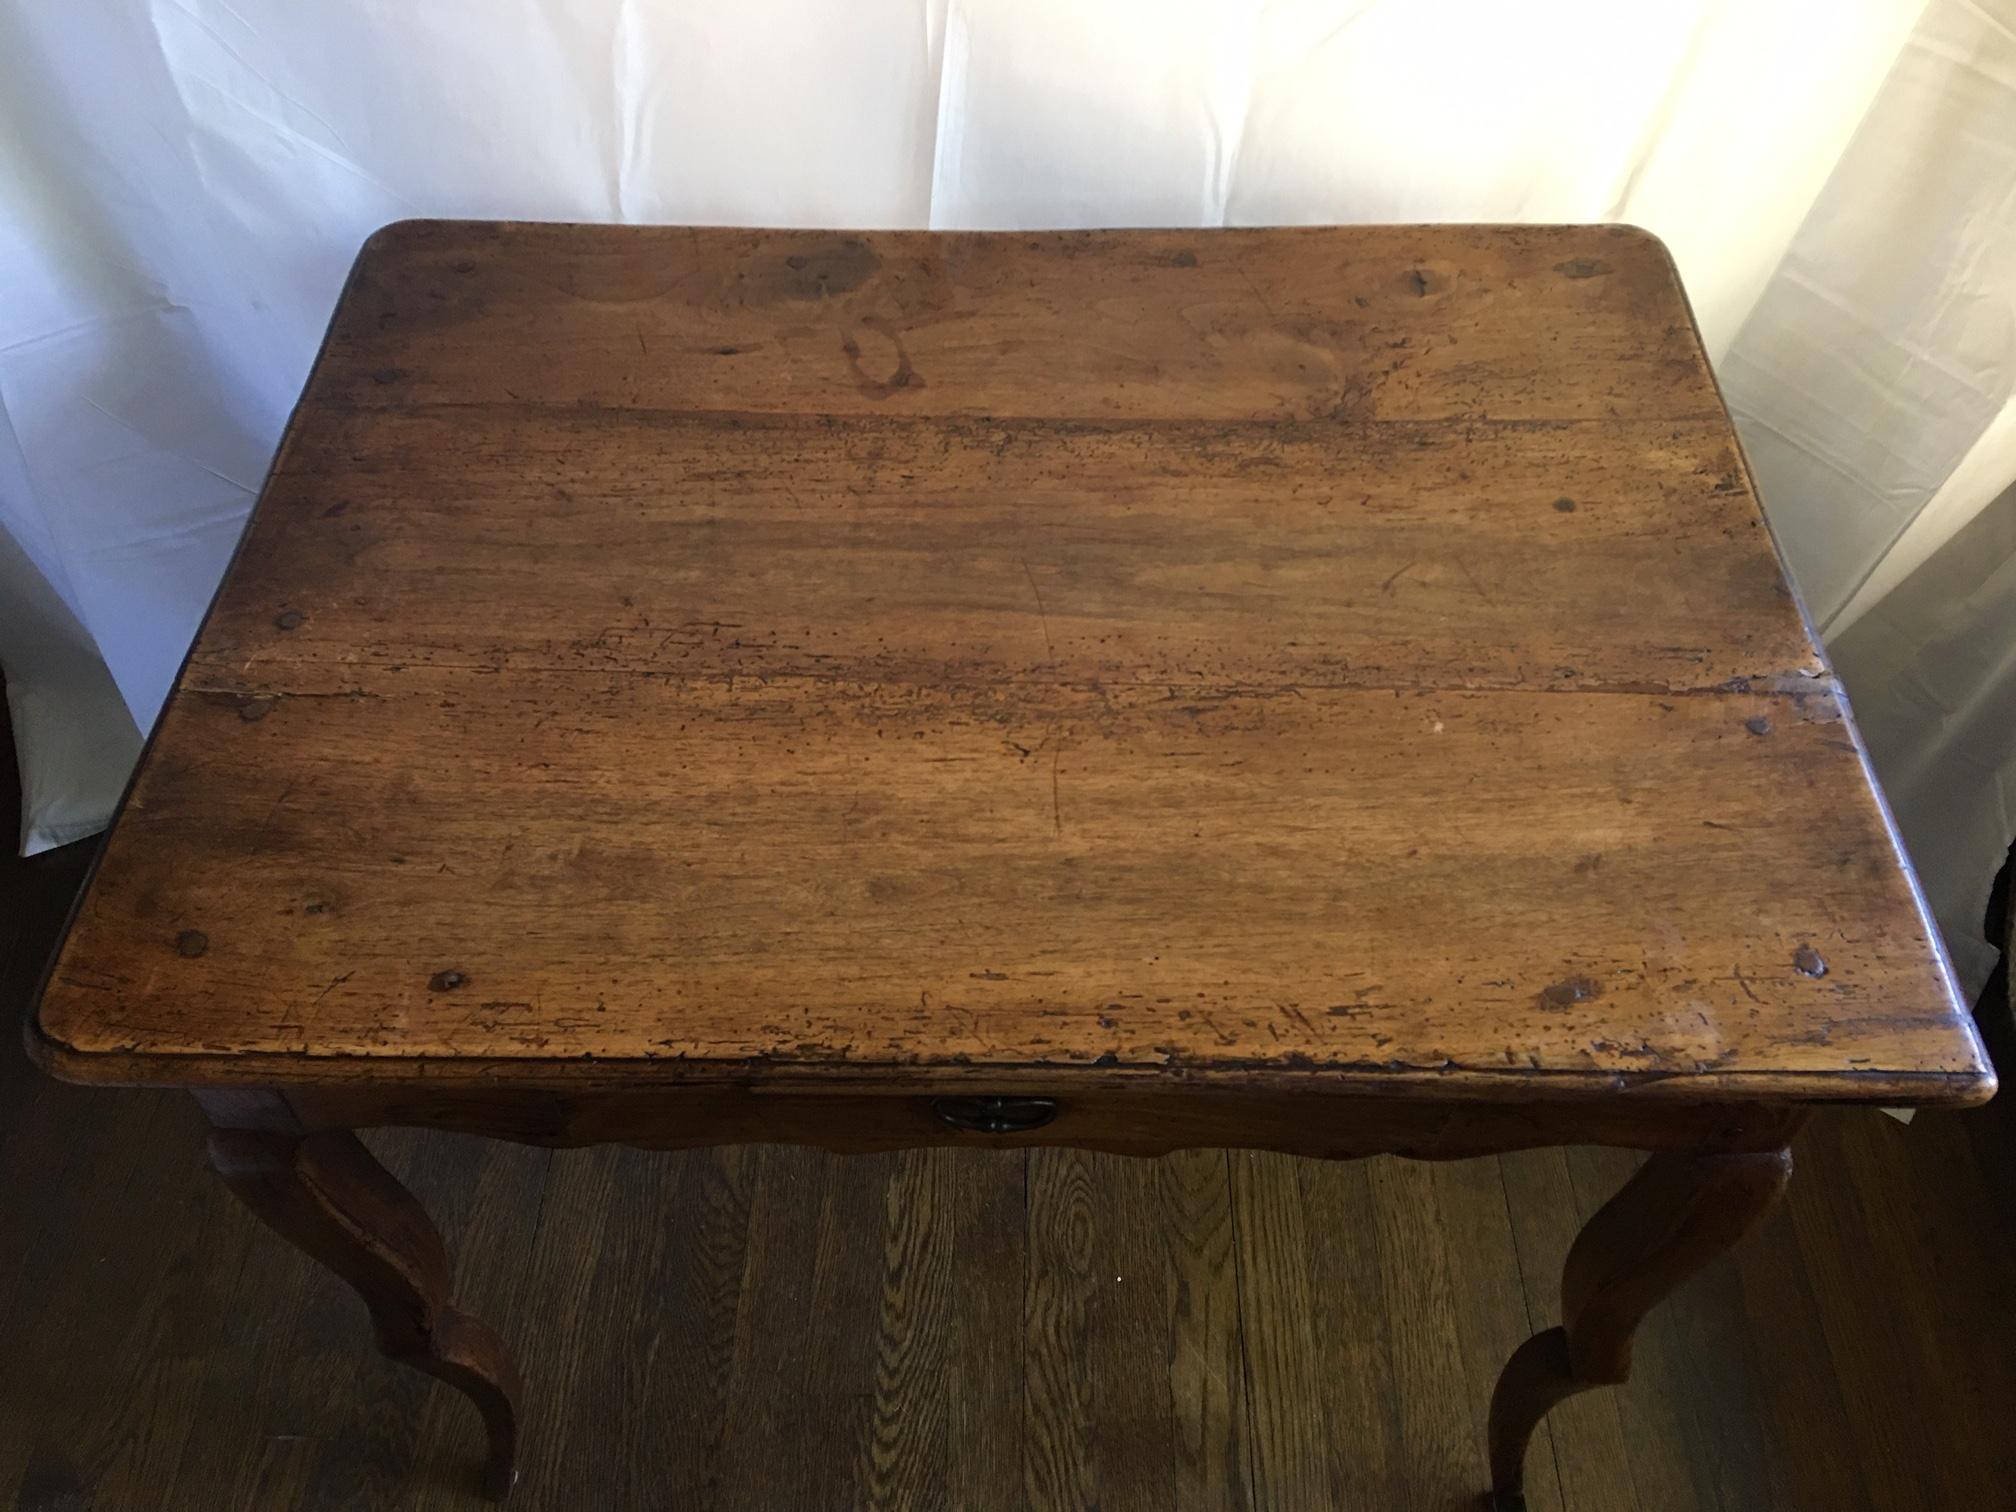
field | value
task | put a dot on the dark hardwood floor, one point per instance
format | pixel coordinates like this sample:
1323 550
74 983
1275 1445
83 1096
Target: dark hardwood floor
775 1328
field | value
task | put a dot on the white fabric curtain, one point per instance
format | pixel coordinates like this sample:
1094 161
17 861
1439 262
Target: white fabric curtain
183 183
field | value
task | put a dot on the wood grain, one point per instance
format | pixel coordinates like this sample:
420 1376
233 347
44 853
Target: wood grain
987 1436
1399 322
1059 1384
1618 554
1287 1463
617 670
1206 1377
1130 1320
1179 886
752 656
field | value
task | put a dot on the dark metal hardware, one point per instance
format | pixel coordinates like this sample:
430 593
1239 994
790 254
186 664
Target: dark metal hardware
995 1115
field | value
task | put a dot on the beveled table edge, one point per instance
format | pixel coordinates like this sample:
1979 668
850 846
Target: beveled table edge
1961 1088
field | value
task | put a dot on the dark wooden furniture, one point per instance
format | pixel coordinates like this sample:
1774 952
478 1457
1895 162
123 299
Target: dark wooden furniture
1321 690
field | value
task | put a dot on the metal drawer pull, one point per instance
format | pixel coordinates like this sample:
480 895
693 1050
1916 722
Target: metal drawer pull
995 1115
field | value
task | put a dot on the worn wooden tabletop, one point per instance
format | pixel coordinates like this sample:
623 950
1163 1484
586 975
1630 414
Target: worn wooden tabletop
1257 656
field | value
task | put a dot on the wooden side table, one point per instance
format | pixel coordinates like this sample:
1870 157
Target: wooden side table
1316 690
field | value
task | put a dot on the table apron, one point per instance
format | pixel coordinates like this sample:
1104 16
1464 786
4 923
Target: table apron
1119 1121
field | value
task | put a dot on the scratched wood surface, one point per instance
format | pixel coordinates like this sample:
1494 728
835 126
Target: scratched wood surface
1242 656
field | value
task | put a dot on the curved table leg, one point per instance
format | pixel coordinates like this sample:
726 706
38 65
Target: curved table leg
325 1194
1675 1215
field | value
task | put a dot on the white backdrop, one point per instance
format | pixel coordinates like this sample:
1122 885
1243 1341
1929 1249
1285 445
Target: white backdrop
183 184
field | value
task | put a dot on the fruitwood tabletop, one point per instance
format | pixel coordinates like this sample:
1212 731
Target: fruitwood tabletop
1327 690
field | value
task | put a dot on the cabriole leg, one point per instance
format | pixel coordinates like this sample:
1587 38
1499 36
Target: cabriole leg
1676 1214
324 1193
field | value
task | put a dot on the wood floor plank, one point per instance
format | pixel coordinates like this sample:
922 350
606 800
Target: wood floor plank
1805 1420
1442 1459
1651 1424
674 1452
1926 1311
841 1351
768 1390
1207 1381
301 1394
488 1205
278 1384
985 1363
1133 1419
377 1410
1288 1451
1058 1468
903 1454
557 1357
1350 1320
1582 1439
1488 1299
88 1375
